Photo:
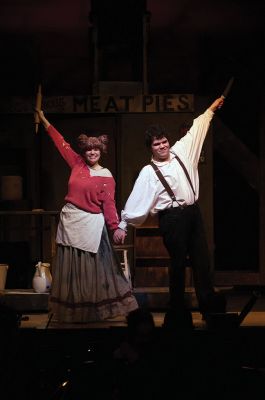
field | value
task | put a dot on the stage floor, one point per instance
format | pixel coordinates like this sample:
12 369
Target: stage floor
41 321
34 308
45 354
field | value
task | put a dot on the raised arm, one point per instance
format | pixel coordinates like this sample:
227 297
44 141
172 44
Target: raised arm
217 104
194 138
62 146
42 118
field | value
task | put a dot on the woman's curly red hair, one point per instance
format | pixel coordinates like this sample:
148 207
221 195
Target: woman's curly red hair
92 142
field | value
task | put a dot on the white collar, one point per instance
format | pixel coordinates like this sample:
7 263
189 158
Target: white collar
162 163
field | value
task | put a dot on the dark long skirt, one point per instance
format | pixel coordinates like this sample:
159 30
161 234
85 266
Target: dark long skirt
89 287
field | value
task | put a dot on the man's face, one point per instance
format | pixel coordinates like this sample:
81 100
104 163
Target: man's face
160 149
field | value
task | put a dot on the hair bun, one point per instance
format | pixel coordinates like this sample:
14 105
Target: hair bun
82 141
104 139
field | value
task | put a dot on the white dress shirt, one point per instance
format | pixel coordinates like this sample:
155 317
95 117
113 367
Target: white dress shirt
150 196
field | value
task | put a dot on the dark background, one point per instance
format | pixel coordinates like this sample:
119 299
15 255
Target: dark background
193 47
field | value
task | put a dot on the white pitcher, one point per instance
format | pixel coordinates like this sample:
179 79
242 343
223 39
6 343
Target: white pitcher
42 279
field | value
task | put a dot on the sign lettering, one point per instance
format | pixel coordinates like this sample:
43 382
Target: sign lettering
94 104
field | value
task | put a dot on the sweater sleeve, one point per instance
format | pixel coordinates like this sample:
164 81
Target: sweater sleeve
64 148
107 197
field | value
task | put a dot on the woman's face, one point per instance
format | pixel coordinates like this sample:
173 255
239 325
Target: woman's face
92 156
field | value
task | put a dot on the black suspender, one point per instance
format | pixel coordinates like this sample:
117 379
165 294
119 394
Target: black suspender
166 185
186 173
164 182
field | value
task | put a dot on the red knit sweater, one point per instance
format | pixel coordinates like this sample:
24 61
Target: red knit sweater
94 194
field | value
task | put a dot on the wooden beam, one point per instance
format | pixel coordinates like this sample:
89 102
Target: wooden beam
262 190
236 153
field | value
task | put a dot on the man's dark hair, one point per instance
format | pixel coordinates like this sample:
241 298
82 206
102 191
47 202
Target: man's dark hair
154 132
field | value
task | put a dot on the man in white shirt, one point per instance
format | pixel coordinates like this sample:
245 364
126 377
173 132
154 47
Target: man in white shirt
179 217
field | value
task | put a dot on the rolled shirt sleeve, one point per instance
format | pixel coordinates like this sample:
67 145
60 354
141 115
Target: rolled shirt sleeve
141 199
194 139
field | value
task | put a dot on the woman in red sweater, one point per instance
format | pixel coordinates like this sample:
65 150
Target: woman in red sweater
88 281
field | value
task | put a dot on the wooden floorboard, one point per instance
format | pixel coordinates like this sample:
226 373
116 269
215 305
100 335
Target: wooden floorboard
41 321
34 308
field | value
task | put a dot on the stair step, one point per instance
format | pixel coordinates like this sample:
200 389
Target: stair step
156 298
158 289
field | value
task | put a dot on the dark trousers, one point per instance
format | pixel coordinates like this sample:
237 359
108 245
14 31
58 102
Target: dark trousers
183 234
